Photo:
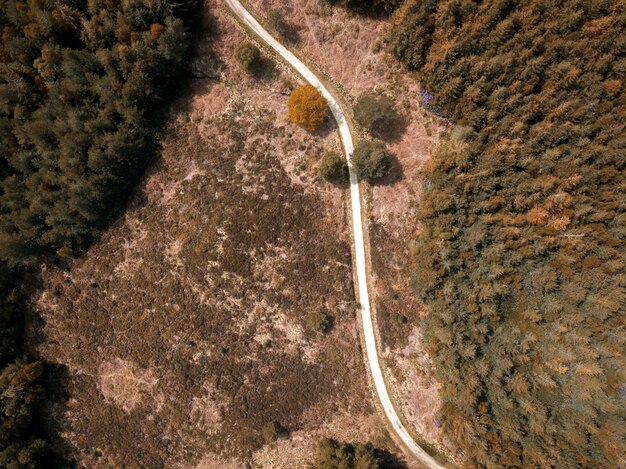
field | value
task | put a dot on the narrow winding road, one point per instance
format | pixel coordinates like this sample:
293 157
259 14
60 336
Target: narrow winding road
357 225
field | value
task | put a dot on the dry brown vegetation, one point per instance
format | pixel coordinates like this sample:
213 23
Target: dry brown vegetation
182 327
346 46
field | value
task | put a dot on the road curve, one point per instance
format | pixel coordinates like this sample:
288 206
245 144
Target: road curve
357 226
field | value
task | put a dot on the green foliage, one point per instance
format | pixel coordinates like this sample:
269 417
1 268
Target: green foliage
25 455
23 441
399 319
376 113
334 455
318 321
412 26
79 87
248 56
334 168
521 259
371 160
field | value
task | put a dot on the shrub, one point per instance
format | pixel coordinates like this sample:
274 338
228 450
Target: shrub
318 321
248 56
277 22
375 113
370 160
307 107
399 319
365 6
20 406
334 168
332 454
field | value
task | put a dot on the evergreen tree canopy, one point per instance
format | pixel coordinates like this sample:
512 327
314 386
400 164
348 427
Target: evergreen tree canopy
521 256
79 85
375 112
371 160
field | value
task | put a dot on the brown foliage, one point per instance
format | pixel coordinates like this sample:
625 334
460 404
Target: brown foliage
156 30
523 224
307 107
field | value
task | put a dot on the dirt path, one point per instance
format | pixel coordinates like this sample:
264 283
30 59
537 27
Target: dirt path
357 225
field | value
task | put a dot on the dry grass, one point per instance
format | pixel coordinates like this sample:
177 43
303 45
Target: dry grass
348 48
181 328
125 385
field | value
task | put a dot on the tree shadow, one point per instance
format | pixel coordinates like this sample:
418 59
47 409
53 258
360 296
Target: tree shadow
326 128
393 176
56 380
267 72
389 460
51 421
204 62
395 130
343 183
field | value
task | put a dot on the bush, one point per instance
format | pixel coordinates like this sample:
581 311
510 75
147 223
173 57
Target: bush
334 168
307 107
375 113
20 407
365 6
371 160
277 22
334 455
248 56
318 321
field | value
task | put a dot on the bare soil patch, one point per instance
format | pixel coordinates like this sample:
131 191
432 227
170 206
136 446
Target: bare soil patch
181 328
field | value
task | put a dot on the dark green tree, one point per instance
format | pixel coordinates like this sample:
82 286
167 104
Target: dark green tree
376 113
522 228
248 56
334 168
371 160
332 454
76 83
20 400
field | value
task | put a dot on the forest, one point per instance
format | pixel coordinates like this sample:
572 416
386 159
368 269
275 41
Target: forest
83 87
520 256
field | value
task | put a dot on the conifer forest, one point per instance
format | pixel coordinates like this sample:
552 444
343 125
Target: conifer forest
519 243
521 251
82 84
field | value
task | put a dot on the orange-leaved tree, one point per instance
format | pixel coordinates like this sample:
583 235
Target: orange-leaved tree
307 107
